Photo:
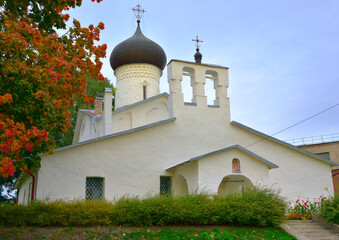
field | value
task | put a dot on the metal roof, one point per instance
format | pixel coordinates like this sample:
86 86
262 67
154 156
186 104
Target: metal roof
238 147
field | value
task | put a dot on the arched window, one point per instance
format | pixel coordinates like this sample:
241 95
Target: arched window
235 165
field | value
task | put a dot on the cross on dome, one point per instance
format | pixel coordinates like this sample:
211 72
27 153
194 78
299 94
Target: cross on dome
197 41
138 48
138 11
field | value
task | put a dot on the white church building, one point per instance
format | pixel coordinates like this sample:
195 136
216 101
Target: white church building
155 143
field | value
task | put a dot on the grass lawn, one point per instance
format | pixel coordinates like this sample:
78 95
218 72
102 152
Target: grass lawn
194 232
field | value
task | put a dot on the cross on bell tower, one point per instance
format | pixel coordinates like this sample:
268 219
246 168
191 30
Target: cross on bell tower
138 11
197 55
197 41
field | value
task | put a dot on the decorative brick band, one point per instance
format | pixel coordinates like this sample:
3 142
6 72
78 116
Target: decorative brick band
146 71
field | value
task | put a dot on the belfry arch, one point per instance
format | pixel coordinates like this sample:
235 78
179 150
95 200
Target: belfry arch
187 83
211 79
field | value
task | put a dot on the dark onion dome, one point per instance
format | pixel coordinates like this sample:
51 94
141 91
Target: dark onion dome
138 49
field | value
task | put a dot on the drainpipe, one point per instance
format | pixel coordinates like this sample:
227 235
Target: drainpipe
33 183
335 174
16 199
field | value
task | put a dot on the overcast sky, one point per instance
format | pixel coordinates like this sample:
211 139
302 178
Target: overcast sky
283 55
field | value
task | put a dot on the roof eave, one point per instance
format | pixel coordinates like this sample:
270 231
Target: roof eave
267 137
202 64
117 134
242 149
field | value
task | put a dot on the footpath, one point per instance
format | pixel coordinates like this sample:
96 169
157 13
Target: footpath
315 229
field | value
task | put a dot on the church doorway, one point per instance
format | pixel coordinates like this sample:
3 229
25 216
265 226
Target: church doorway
234 184
180 186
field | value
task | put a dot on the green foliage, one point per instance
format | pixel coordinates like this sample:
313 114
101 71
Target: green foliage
94 88
330 209
45 13
256 207
58 213
225 233
41 73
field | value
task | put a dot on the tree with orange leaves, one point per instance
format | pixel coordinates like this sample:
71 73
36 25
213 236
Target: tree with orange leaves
41 73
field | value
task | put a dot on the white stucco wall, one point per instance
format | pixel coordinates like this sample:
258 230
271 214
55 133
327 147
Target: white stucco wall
148 112
207 173
190 173
214 168
125 162
298 175
132 163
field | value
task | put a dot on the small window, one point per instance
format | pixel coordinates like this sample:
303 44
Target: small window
144 92
94 188
235 165
165 185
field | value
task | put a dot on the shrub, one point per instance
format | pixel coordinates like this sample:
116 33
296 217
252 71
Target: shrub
255 207
330 209
58 213
303 210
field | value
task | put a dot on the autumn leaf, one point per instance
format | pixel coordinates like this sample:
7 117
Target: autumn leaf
41 73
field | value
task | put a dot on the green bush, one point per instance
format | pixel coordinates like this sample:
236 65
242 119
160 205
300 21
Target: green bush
58 213
255 207
330 209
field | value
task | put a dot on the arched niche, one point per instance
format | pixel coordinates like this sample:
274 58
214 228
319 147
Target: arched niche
234 184
180 186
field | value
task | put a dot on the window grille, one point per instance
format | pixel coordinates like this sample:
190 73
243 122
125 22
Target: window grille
165 185
94 188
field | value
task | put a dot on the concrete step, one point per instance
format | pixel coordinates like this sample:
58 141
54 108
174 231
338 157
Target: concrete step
308 230
322 237
310 227
319 236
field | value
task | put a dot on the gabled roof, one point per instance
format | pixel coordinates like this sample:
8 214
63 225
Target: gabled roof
91 112
238 147
165 94
267 137
117 134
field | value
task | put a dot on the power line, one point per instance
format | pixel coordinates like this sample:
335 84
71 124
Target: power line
306 119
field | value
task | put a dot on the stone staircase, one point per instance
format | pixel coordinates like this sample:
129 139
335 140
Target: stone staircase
310 230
